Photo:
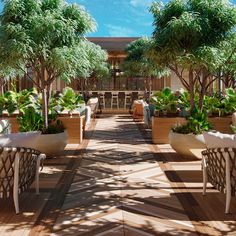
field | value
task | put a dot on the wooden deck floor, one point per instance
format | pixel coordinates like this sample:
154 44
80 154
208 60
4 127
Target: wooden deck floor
118 183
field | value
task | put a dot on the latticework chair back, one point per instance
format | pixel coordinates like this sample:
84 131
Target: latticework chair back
27 169
216 167
219 168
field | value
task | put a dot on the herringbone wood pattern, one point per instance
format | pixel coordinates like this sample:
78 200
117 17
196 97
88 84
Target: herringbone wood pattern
118 183
119 188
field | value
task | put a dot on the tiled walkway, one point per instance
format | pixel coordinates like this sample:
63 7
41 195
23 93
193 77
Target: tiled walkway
119 188
118 183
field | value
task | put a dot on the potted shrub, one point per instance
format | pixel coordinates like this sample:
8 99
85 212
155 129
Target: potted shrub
13 103
220 109
52 140
165 103
188 139
167 115
71 115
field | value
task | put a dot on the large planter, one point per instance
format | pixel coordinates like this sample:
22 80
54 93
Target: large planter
21 139
74 126
222 124
187 145
161 127
52 144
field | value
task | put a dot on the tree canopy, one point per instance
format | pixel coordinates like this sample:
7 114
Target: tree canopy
187 36
45 40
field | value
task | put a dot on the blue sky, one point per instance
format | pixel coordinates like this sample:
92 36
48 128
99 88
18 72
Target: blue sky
119 18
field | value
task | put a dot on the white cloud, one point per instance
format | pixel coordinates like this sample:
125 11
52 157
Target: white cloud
140 3
119 31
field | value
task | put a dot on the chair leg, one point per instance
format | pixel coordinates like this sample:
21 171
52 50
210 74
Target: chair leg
41 157
228 185
16 183
204 172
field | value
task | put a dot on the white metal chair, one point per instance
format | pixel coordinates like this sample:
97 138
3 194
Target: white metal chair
102 102
115 100
128 100
219 168
19 167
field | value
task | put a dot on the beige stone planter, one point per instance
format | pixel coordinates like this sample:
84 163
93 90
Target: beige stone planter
52 144
222 124
75 127
21 139
161 127
187 145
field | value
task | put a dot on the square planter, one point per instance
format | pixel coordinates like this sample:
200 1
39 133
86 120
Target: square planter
161 127
74 126
222 124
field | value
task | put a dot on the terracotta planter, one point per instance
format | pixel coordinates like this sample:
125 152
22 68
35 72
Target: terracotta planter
161 127
187 145
52 144
222 124
74 126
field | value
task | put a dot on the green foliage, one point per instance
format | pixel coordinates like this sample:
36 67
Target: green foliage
165 101
213 104
48 36
137 62
181 27
184 100
69 100
229 101
233 128
30 120
188 36
197 123
17 101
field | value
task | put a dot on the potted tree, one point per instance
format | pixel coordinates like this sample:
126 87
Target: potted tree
32 42
175 24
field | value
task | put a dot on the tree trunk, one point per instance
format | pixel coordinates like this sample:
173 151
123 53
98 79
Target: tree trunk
149 88
203 90
45 107
191 89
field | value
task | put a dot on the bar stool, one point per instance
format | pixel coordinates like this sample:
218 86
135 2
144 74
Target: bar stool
102 103
128 98
140 96
115 100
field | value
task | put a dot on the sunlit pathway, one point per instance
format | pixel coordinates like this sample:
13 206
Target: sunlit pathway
119 188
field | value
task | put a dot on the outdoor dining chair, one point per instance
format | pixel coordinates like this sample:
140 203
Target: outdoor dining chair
19 167
219 168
